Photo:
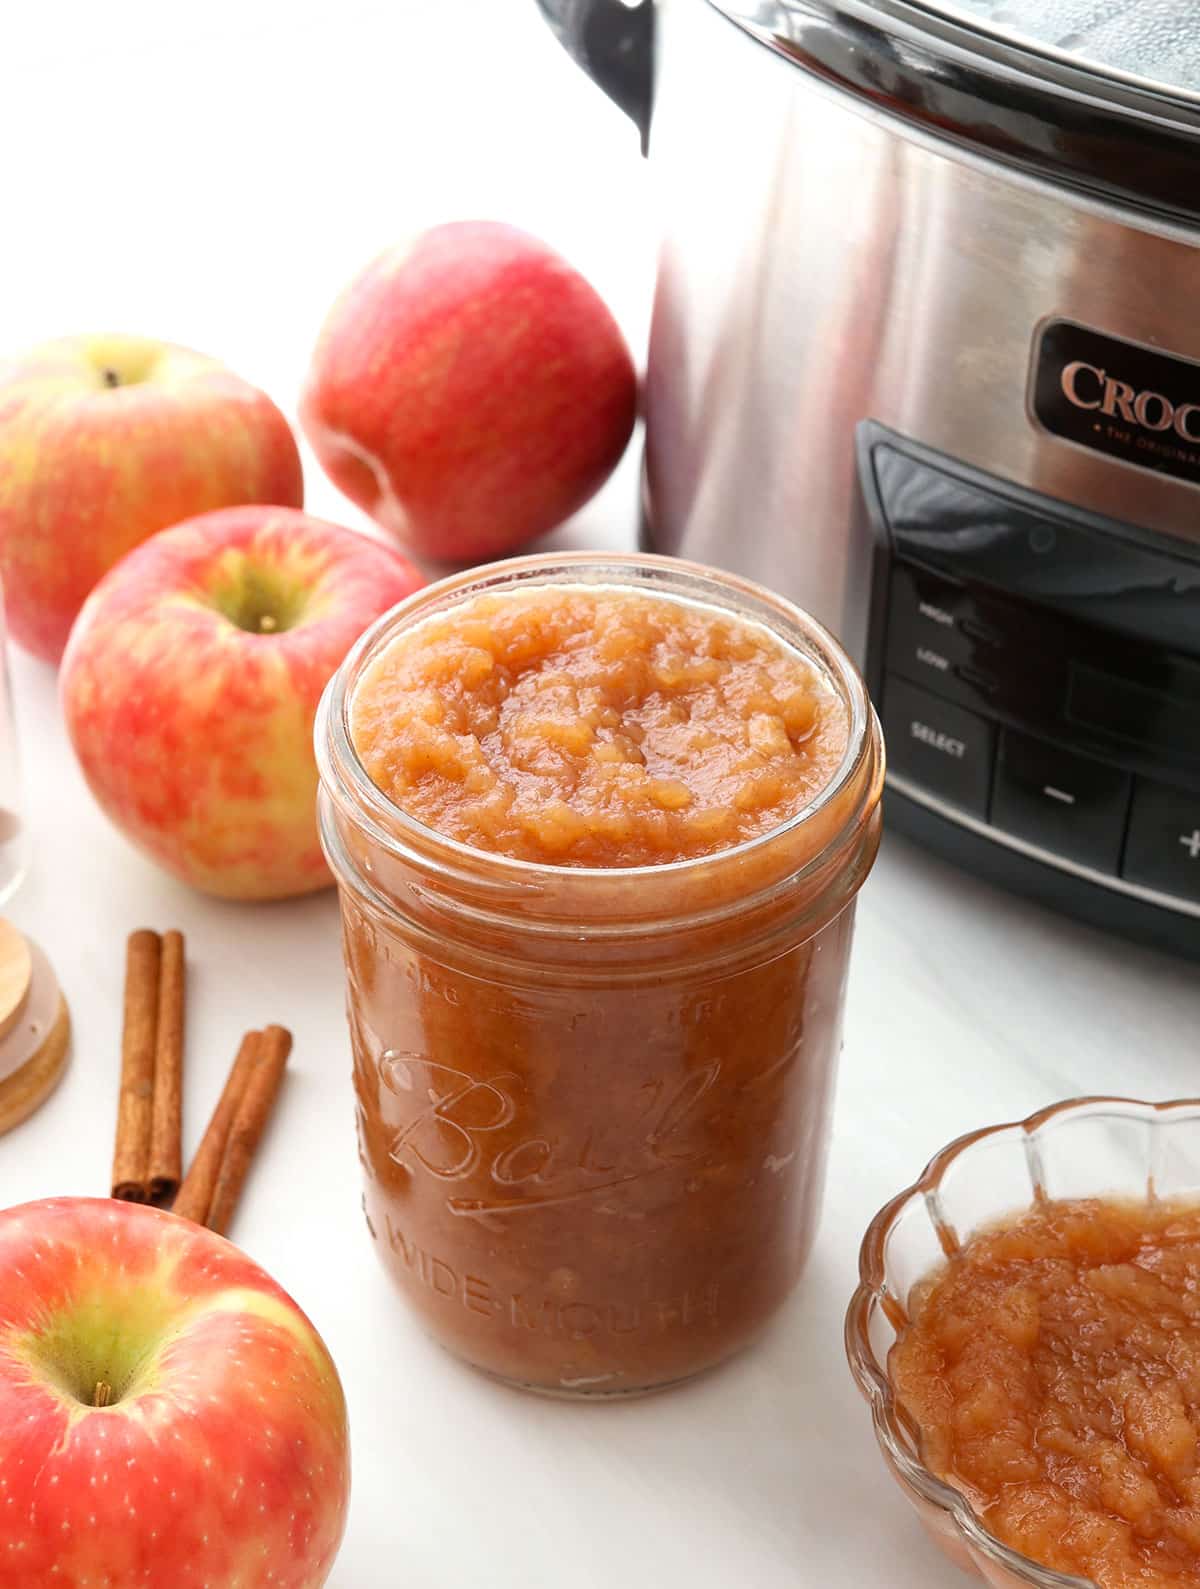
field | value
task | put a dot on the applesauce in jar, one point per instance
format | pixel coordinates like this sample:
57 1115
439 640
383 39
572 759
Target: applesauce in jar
598 824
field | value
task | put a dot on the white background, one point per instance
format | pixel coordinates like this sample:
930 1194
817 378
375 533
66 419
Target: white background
213 173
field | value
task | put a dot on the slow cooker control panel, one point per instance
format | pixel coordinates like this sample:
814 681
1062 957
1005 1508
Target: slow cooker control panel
1037 673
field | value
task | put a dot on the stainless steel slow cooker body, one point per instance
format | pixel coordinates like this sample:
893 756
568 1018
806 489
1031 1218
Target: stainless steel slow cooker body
901 243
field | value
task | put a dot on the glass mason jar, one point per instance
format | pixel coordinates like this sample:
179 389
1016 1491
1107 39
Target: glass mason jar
593 1103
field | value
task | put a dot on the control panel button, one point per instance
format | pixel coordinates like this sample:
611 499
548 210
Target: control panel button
1163 847
936 639
924 642
940 747
1068 804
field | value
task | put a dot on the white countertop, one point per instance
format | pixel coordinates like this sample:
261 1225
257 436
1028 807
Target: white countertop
214 174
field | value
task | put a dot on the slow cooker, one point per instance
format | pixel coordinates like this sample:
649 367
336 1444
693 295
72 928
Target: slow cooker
925 357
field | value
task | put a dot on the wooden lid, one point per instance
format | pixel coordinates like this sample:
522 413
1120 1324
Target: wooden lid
35 1027
16 974
27 1088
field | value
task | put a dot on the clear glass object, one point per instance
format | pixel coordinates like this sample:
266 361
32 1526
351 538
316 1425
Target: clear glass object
1155 42
593 1103
14 830
1084 1147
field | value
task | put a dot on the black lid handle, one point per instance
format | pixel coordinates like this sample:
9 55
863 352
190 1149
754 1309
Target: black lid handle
614 43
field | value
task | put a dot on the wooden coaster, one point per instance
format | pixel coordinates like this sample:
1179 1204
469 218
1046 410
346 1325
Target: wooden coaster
35 1028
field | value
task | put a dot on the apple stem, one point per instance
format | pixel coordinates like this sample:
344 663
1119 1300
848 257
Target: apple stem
103 1395
111 378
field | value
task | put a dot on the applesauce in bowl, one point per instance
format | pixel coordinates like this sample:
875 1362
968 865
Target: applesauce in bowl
1027 1334
598 824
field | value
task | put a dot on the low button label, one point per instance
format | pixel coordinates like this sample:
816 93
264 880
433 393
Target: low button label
929 658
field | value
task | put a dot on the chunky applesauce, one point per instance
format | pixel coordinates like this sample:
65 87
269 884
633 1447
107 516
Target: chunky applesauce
1053 1371
591 727
594 1088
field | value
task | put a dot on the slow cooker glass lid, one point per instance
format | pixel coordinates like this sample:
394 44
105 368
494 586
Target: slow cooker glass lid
1154 41
1100 94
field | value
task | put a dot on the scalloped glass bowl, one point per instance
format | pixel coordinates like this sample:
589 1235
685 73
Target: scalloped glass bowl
1086 1147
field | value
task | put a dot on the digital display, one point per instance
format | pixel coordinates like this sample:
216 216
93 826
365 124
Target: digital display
1162 720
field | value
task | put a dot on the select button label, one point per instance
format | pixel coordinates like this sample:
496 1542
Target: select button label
938 746
938 739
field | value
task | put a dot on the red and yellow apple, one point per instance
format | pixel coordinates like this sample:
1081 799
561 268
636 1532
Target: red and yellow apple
168 1415
103 441
190 687
470 390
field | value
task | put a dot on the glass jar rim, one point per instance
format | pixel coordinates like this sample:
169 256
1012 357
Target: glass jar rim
391 826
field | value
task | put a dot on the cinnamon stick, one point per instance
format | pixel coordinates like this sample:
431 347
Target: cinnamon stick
195 1194
249 1123
131 1155
166 1135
